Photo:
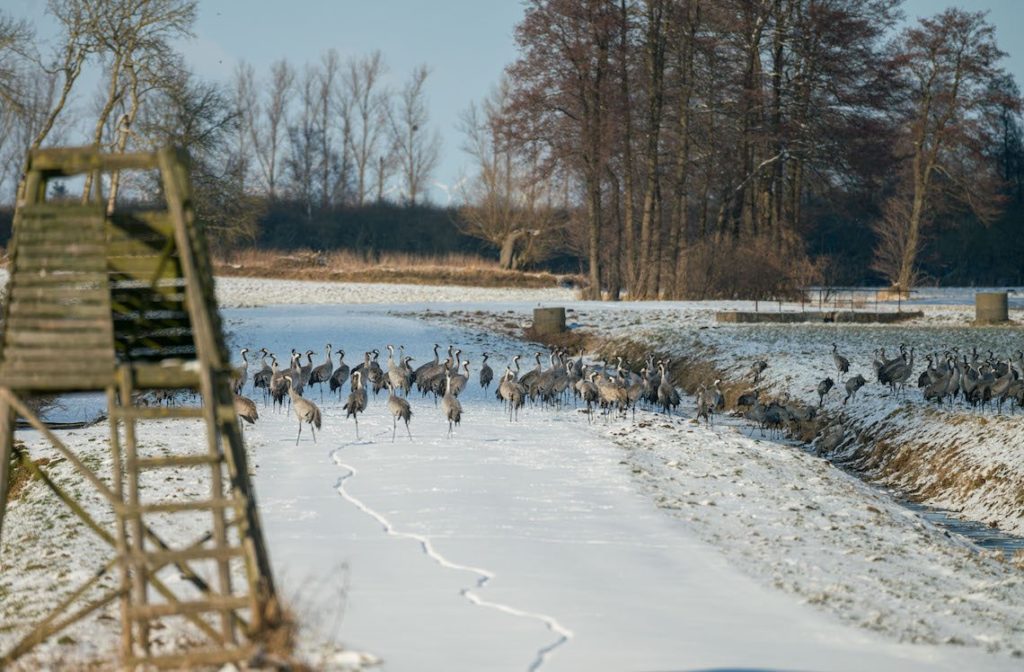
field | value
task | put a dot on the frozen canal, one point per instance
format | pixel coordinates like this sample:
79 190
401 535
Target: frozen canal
510 546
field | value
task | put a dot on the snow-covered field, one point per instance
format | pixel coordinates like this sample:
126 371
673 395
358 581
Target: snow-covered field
553 543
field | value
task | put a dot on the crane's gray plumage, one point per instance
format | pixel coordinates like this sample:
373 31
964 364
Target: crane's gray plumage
340 374
823 389
451 406
852 385
356 402
842 363
486 373
305 410
240 373
399 408
321 374
245 409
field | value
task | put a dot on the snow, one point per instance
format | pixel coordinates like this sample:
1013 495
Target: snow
551 543
250 292
799 356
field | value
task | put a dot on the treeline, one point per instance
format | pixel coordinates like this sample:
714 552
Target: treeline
728 146
676 148
317 137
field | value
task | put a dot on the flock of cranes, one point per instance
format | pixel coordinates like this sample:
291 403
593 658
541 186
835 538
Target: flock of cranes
606 386
976 380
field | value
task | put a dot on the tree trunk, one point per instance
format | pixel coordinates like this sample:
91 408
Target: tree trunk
113 95
655 61
615 266
629 233
507 256
681 203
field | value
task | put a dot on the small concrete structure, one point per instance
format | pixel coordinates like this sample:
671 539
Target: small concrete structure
548 320
991 307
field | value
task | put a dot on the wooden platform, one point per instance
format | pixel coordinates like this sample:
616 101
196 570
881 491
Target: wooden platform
817 316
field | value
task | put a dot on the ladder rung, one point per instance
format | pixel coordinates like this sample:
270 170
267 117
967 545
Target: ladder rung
192 658
175 507
177 461
218 603
154 412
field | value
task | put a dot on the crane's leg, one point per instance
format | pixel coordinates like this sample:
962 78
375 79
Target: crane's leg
312 431
394 427
356 418
408 430
299 434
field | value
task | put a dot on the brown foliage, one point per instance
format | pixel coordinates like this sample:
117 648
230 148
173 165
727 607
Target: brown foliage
756 268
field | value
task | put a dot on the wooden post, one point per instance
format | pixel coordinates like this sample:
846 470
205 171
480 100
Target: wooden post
548 320
6 441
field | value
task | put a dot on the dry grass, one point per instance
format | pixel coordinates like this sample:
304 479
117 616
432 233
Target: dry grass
18 476
390 267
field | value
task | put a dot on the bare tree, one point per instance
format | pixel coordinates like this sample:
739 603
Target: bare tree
203 117
892 236
949 64
66 65
14 38
268 124
367 100
134 38
328 76
245 101
417 150
507 203
303 159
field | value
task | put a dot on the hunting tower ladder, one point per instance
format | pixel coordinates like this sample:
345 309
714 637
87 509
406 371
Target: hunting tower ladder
122 302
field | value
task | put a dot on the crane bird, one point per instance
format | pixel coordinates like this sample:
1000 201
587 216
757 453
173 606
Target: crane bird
340 374
305 410
717 398
450 405
757 368
239 374
399 408
823 389
321 374
842 363
512 393
852 385
261 379
668 396
356 402
587 389
486 373
245 409
705 406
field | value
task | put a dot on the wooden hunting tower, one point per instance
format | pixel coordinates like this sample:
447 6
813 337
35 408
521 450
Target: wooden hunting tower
121 302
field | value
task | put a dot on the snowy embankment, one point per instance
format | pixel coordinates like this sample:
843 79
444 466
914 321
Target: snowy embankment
969 462
550 543
251 292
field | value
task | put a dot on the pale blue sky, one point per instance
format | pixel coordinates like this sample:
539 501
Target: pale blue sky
466 43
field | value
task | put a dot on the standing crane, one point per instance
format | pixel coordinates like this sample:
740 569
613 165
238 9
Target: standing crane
399 408
451 406
321 374
842 363
356 402
486 373
305 410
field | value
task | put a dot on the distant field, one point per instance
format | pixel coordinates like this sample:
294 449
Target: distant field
343 266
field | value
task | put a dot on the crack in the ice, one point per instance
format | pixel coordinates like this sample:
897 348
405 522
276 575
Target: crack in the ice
485 576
